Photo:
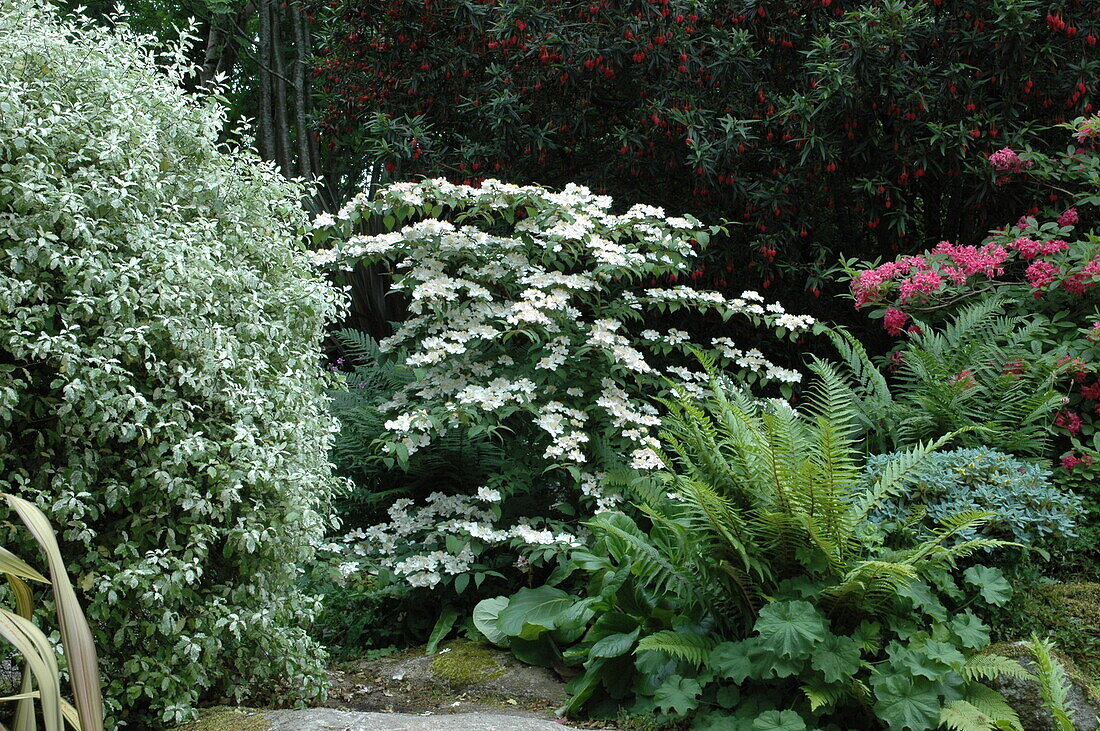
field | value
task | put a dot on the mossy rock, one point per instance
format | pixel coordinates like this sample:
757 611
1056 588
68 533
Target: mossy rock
463 663
228 719
1080 602
1026 699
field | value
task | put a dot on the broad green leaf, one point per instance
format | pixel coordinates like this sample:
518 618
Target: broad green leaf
677 695
971 631
540 607
838 658
615 645
991 583
442 628
486 616
779 721
905 702
733 660
790 628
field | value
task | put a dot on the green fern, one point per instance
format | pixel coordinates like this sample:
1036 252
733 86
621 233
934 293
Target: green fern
1053 684
963 376
687 646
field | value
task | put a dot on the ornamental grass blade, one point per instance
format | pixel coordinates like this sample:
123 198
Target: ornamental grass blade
14 566
76 635
39 656
24 607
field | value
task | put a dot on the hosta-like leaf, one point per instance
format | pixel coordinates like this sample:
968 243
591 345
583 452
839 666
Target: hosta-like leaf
614 645
540 607
486 615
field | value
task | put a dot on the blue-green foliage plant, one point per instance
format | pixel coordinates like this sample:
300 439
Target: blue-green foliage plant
160 388
1022 503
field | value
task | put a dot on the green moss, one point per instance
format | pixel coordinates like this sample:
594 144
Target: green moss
463 663
228 719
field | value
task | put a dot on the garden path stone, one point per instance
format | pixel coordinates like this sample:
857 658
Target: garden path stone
329 719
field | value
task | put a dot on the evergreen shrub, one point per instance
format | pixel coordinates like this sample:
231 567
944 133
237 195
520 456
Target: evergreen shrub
160 394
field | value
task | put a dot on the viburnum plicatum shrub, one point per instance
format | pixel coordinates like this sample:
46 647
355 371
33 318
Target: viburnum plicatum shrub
160 393
533 318
1046 264
824 125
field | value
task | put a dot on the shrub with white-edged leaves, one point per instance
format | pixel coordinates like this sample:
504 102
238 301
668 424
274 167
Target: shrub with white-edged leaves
532 319
160 395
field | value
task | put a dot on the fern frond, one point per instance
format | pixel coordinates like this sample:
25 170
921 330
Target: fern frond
1053 685
992 704
962 716
687 646
989 666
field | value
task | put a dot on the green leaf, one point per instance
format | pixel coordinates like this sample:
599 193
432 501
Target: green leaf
971 631
779 721
790 628
992 584
837 658
486 615
905 702
733 660
677 695
443 626
944 652
540 607
614 645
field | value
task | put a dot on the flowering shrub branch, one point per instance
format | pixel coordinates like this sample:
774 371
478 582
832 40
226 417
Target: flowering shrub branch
527 309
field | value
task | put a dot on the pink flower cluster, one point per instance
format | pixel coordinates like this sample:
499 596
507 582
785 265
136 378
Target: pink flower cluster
1069 217
1071 460
1030 248
1084 279
1069 421
1094 333
970 260
1006 160
866 287
894 321
1089 129
1041 273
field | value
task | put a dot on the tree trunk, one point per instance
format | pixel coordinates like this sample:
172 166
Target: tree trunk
301 93
267 106
282 122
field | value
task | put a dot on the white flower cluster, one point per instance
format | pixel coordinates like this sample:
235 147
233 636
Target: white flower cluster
412 543
521 315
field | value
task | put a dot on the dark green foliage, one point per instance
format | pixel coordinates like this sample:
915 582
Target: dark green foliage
979 369
455 463
756 595
852 125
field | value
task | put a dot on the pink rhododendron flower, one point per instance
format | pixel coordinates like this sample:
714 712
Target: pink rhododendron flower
923 282
972 260
1084 279
1092 393
1089 129
1069 461
1068 218
1041 273
1094 333
1053 247
894 321
1028 248
1006 160
1069 420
